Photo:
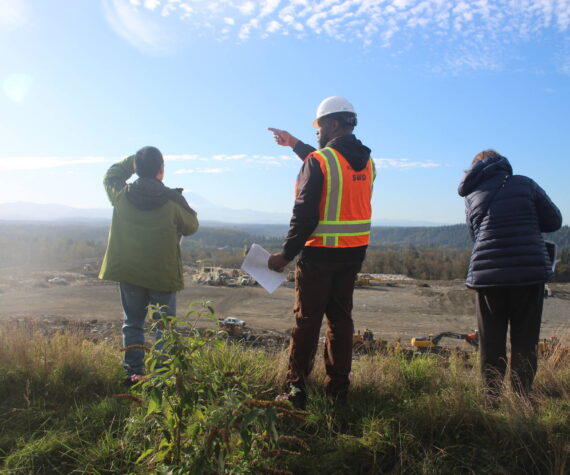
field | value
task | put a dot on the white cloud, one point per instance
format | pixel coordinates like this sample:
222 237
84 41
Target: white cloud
247 8
39 163
245 30
151 4
401 4
403 163
201 170
224 157
474 57
139 28
273 27
282 160
184 157
314 21
215 159
168 9
484 27
287 158
13 13
186 11
268 7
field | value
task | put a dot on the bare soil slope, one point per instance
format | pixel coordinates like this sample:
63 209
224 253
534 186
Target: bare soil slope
391 310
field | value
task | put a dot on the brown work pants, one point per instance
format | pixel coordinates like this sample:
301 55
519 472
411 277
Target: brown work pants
521 307
323 288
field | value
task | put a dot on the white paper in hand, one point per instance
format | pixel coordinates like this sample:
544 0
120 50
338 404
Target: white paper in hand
255 264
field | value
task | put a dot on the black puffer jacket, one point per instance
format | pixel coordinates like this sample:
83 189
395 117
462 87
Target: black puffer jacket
506 225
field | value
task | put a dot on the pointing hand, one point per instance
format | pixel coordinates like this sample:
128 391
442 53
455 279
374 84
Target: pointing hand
282 137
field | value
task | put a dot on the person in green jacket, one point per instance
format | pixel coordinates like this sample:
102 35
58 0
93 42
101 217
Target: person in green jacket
143 251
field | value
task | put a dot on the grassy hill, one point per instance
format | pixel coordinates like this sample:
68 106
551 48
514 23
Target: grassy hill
63 410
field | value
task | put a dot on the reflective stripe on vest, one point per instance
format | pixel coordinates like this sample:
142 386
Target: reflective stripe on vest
330 227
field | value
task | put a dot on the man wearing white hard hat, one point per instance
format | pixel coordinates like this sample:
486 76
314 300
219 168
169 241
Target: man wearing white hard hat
330 230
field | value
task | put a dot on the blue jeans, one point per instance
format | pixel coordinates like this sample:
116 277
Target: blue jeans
135 302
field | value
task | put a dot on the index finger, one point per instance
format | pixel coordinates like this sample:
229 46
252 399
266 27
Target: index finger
275 131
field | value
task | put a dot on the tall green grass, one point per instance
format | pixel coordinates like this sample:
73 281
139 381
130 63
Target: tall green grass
426 414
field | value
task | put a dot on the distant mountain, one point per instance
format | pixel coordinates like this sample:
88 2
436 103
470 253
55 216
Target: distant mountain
233 235
455 236
214 215
208 211
24 211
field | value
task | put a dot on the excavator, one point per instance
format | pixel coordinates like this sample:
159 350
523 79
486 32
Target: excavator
430 343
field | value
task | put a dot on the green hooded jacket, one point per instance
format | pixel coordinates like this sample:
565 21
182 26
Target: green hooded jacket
148 222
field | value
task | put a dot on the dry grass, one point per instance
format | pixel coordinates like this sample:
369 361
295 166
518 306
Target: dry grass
426 414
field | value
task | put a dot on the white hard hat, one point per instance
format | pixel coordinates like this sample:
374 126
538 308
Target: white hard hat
333 104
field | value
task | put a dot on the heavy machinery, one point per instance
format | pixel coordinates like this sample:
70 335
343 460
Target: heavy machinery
365 342
547 347
430 343
233 326
551 346
368 280
246 280
362 281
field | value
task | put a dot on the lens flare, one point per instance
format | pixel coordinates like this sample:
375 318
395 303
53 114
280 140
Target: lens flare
17 86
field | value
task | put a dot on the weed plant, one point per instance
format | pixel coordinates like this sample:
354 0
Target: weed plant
203 410
208 406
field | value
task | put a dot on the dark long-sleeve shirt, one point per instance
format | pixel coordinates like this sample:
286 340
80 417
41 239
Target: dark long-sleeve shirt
306 209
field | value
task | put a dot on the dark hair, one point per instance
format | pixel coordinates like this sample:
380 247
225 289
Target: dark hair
489 153
345 119
148 161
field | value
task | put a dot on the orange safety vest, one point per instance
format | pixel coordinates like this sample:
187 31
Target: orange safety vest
344 209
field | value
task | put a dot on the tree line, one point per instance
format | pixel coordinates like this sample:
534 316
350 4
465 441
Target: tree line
423 253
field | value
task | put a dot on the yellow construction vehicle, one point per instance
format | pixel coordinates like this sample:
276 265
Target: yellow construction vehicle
550 346
362 281
365 342
431 342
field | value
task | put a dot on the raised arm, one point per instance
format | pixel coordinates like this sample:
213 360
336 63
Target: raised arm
285 139
116 177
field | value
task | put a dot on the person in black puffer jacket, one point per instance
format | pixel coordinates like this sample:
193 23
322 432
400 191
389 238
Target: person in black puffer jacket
506 216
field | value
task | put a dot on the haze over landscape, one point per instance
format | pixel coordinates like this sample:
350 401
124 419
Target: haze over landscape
84 84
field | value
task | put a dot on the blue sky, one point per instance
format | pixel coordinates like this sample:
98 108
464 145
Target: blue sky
84 83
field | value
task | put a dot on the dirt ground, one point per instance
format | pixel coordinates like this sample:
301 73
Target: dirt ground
392 310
